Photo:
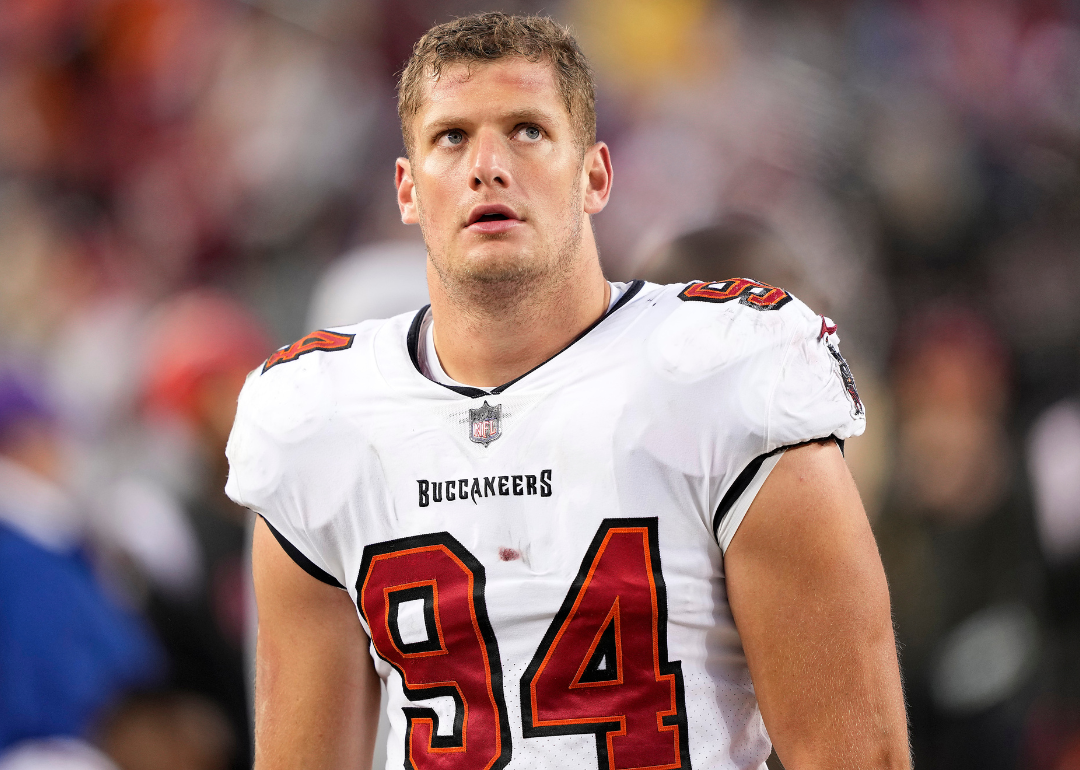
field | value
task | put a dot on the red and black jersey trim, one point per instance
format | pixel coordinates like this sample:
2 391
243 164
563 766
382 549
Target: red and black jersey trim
322 339
749 473
302 561
413 342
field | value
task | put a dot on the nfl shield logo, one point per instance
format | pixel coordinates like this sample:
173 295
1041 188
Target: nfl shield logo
485 423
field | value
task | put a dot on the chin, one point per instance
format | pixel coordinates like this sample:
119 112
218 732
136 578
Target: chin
498 265
501 271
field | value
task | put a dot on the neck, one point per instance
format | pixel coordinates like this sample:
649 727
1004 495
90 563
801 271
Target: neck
487 344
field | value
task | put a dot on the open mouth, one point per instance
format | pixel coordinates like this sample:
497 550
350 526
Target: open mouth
488 215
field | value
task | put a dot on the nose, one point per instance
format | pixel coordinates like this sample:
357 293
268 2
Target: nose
490 163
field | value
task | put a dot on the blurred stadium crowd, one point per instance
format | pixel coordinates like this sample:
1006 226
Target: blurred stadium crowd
187 184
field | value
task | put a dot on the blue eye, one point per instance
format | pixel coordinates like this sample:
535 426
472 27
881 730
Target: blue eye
455 137
532 133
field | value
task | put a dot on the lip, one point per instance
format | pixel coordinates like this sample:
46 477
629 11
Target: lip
492 226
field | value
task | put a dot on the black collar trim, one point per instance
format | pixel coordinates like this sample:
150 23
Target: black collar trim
413 343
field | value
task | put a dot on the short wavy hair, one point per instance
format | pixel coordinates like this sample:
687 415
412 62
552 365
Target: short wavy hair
485 37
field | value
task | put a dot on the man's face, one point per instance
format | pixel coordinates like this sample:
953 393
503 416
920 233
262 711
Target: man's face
497 179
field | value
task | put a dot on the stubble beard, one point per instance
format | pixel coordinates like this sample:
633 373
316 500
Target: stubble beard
518 285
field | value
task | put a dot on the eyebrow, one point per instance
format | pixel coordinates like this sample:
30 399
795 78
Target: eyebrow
531 115
523 115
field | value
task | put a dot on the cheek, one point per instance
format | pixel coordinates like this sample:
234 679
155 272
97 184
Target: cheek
563 195
428 206
547 183
443 169
437 190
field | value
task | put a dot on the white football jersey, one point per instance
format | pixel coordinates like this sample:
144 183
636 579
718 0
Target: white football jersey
540 566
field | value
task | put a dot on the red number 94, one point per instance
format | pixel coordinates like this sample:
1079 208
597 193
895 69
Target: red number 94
602 668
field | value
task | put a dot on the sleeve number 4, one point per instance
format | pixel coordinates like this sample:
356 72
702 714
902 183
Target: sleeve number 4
602 667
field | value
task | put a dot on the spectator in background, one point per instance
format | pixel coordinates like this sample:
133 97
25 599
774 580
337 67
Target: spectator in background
1053 461
55 754
735 246
167 731
958 544
68 650
200 347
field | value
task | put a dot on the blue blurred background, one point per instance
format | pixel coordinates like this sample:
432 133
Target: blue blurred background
187 184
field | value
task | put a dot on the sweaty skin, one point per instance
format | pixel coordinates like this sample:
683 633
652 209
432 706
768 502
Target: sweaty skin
804 579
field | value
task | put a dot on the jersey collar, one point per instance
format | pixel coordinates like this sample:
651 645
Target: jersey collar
413 343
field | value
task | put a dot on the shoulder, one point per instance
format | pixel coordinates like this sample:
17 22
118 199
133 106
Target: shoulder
308 372
292 398
753 353
708 327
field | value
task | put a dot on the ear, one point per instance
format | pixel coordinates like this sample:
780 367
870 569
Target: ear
597 172
406 191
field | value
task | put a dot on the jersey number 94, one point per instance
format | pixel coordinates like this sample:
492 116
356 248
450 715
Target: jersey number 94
601 668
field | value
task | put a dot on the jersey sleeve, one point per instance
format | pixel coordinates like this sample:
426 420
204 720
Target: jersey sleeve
807 393
815 394
269 475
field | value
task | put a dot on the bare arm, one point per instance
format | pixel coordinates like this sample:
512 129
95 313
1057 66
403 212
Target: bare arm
316 690
809 597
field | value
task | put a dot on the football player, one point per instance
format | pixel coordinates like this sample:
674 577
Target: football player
566 523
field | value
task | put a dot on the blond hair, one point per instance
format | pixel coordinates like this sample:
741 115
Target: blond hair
485 37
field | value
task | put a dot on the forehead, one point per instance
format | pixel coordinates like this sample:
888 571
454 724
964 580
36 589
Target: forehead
479 87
